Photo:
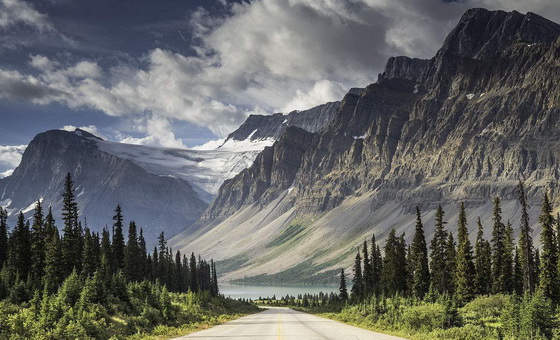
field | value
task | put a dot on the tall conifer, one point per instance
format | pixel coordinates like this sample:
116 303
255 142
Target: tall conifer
548 281
464 272
526 249
420 272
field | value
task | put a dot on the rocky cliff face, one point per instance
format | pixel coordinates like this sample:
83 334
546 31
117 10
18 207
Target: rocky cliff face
272 172
157 203
463 126
258 127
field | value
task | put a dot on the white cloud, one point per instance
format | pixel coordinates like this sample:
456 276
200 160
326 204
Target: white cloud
322 92
88 128
13 12
10 157
6 173
265 56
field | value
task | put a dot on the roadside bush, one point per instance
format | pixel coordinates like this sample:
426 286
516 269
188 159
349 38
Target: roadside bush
426 317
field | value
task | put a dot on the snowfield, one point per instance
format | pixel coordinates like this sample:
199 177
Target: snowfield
204 169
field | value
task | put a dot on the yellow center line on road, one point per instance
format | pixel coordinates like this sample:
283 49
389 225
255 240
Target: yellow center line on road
280 322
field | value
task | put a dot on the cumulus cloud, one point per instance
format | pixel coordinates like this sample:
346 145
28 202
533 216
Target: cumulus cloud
10 157
263 57
13 12
323 91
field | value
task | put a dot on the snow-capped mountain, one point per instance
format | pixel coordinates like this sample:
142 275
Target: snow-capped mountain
162 189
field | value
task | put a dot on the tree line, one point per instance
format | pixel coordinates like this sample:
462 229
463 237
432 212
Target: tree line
36 257
455 268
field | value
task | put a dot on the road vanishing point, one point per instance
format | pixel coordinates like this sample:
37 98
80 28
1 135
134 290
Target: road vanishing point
277 323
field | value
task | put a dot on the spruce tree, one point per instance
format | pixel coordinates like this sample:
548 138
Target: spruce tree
438 267
498 240
450 264
20 248
376 266
71 253
357 281
54 270
343 291
89 265
3 237
118 239
526 249
37 244
507 271
368 271
215 289
132 255
420 272
464 270
517 273
143 251
193 280
106 248
548 280
483 263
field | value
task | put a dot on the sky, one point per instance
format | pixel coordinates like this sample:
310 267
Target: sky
179 73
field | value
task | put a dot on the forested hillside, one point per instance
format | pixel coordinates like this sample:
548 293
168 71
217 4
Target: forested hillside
79 284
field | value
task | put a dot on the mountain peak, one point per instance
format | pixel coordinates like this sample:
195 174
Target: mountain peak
481 34
85 134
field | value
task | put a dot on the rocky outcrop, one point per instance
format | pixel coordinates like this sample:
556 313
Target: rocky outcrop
157 203
272 172
258 127
403 68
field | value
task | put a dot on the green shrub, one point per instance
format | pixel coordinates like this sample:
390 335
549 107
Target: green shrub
426 316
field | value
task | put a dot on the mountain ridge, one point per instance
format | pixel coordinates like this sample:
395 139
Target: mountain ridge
466 125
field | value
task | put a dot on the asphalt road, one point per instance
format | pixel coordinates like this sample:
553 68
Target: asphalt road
286 324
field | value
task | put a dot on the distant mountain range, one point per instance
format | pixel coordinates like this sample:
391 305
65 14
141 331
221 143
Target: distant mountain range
162 189
464 126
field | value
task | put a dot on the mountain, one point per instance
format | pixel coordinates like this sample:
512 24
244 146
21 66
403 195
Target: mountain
102 181
163 189
259 127
464 126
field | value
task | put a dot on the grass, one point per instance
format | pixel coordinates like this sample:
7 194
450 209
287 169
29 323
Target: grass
167 332
291 232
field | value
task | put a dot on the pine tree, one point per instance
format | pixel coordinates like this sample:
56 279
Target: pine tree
37 245
368 271
343 292
438 267
450 264
132 255
214 288
517 273
71 252
54 270
537 267
483 263
118 239
193 281
464 272
507 271
143 251
498 240
376 266
106 248
3 237
419 260
527 252
548 281
20 248
357 281
89 265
